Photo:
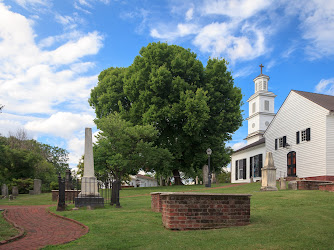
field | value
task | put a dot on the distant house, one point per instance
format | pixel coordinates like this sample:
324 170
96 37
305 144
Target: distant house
300 136
143 181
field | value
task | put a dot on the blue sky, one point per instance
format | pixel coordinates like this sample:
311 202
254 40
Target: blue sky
51 53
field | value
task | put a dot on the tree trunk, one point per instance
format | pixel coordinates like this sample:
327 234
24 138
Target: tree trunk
177 178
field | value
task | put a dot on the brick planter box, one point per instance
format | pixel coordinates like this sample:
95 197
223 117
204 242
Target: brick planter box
311 184
327 187
69 195
193 211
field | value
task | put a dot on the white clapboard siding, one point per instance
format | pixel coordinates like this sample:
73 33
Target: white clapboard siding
330 145
246 154
298 113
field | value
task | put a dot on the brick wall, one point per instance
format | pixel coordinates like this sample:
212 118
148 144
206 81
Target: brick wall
69 195
156 202
184 211
321 178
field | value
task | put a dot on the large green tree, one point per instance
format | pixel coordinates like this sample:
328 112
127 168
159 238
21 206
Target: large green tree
193 107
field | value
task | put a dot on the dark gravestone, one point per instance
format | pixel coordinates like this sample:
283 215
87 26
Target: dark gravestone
116 186
68 180
61 200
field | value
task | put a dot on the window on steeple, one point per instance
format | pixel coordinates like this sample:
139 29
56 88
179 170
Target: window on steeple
266 105
264 85
260 85
254 107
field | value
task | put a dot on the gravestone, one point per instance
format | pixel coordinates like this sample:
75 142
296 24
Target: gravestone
196 180
15 191
37 186
89 195
11 197
269 174
293 185
68 180
205 174
4 190
282 183
213 178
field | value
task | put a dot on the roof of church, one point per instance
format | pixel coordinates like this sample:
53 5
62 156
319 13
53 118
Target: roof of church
259 142
325 101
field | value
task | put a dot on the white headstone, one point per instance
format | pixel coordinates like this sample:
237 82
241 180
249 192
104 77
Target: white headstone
37 186
205 174
196 180
269 174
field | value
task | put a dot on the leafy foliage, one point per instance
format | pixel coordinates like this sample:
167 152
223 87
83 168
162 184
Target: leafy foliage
123 149
192 107
22 158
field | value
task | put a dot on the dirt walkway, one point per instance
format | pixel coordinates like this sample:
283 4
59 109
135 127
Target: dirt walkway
41 227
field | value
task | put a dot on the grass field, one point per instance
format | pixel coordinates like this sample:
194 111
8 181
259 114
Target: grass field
279 220
6 230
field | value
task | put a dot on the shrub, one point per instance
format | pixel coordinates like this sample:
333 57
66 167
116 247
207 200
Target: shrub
24 185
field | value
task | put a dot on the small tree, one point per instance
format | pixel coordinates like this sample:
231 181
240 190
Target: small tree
123 149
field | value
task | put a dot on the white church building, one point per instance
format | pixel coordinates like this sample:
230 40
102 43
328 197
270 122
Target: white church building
300 136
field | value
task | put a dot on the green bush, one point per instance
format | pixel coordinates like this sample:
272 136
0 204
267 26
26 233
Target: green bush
54 185
24 185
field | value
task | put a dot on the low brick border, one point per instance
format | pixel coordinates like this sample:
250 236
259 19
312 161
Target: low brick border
329 187
20 229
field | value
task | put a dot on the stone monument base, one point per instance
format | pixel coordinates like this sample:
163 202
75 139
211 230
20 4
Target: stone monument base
93 201
268 188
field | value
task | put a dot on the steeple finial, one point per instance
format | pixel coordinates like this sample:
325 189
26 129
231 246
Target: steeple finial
261 66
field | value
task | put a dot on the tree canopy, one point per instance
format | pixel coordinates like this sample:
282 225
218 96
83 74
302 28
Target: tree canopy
193 107
122 148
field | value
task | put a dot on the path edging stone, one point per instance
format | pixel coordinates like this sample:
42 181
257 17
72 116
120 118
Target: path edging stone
21 230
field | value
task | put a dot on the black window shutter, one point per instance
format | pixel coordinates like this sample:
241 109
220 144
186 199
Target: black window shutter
275 144
244 167
236 170
297 137
251 167
308 134
284 141
260 164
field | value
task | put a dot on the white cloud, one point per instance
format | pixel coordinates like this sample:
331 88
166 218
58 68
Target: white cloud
35 80
62 124
181 30
317 24
235 9
189 14
325 86
82 5
34 5
238 145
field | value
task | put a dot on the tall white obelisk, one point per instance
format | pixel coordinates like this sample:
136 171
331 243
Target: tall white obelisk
89 195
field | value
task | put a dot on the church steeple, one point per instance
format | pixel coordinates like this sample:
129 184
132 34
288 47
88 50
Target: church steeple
261 108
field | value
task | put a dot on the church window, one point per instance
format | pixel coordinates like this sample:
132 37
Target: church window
280 142
266 123
266 105
305 135
253 125
240 169
255 166
265 85
254 107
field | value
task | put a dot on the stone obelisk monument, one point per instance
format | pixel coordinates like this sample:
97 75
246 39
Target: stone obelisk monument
89 195
269 174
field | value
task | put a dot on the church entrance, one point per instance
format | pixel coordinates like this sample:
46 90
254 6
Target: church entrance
291 157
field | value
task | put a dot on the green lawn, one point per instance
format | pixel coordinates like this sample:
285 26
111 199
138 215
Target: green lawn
6 230
279 220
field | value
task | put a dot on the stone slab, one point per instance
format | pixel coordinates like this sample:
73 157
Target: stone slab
89 201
